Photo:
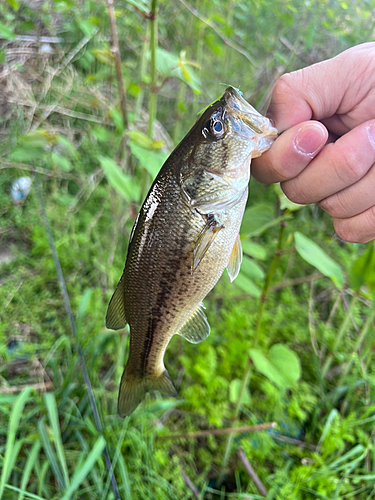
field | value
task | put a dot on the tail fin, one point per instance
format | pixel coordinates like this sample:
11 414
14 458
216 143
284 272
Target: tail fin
133 390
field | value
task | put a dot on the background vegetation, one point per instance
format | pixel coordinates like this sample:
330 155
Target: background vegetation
292 339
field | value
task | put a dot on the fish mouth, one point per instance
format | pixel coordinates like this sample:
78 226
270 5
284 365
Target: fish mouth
247 121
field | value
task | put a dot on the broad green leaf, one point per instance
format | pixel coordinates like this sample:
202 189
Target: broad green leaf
39 138
314 255
29 154
88 27
234 392
193 81
212 43
285 203
256 218
251 269
281 365
104 55
142 5
152 161
117 120
253 249
141 139
101 134
363 270
123 183
247 285
6 32
165 61
67 146
10 448
61 162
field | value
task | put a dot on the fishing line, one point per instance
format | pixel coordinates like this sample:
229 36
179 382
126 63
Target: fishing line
69 312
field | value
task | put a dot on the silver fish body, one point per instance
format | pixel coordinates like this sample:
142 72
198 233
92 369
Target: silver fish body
186 234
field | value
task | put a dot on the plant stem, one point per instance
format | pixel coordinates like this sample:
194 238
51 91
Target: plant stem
179 106
153 46
199 58
116 52
343 328
142 74
247 375
268 280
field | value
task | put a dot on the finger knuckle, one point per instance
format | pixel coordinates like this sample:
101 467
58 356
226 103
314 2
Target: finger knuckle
345 230
283 86
335 205
294 192
348 169
357 231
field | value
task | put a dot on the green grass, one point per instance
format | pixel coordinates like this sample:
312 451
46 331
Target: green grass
93 182
51 448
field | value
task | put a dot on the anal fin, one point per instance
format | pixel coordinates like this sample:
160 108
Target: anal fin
235 260
196 327
115 318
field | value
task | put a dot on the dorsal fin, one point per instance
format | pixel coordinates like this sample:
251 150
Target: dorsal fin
115 318
235 260
196 327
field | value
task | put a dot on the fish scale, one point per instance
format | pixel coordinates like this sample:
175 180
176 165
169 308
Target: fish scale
186 234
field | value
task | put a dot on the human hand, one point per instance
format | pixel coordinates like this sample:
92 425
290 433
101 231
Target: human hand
327 153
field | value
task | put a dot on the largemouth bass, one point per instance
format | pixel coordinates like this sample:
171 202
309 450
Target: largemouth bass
186 234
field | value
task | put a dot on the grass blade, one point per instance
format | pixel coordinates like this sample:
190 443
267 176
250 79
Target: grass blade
69 312
89 463
331 417
26 493
12 429
50 454
29 465
54 421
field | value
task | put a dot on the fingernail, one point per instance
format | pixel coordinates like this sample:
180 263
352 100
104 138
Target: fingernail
371 134
310 139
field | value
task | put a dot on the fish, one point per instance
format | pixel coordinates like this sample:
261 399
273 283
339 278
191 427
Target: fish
185 235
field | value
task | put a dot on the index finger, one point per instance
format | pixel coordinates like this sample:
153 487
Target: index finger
320 91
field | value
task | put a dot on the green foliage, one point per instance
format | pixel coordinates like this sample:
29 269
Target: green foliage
280 365
285 346
315 256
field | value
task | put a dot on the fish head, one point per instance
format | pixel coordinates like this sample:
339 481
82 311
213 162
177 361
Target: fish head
214 158
245 123
231 132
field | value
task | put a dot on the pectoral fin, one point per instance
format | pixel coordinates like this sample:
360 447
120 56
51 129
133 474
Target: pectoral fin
196 328
235 260
115 318
204 241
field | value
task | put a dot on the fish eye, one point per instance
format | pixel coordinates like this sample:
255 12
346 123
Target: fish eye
217 128
214 128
